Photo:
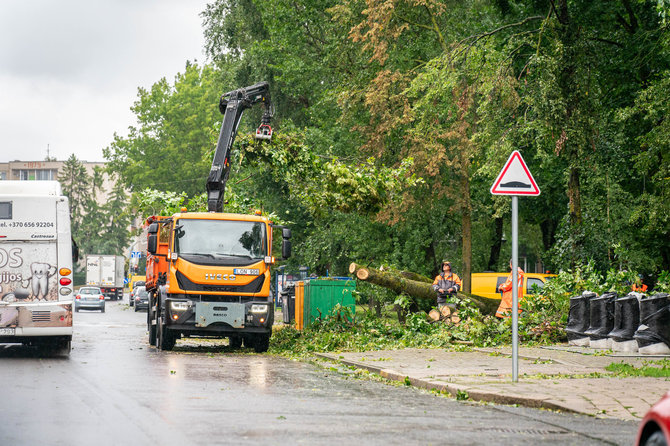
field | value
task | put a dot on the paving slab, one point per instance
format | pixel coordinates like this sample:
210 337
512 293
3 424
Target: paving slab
560 379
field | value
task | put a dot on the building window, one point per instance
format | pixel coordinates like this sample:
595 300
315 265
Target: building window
37 174
3 176
46 174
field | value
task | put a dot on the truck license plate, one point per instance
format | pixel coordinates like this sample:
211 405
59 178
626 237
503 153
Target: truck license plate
7 331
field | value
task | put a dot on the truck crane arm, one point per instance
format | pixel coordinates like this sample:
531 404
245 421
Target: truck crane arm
232 105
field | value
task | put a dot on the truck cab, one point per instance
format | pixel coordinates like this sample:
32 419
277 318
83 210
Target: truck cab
208 274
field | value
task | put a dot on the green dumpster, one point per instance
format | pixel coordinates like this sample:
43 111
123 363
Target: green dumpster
321 295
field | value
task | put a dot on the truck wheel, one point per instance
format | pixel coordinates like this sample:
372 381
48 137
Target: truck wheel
261 343
165 339
151 327
152 335
235 342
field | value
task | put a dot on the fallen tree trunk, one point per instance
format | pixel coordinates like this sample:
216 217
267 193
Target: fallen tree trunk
399 284
409 275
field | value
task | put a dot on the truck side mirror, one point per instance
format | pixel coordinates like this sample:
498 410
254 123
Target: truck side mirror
152 242
286 233
153 228
286 249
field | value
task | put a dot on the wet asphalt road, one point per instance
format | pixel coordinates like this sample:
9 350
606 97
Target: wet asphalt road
116 390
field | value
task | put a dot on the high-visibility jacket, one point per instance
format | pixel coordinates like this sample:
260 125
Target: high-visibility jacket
642 288
505 307
446 281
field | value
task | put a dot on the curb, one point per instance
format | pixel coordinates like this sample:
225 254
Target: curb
454 389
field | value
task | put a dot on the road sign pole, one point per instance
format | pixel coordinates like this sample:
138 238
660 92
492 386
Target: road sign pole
515 179
515 288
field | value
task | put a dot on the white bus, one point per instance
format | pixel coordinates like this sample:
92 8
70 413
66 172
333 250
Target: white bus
36 272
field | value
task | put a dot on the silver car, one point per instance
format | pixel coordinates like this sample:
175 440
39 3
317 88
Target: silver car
89 298
141 298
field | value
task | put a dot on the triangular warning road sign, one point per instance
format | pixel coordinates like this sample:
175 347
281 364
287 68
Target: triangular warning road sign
515 178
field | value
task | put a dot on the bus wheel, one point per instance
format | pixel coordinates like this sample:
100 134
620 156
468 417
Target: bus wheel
64 347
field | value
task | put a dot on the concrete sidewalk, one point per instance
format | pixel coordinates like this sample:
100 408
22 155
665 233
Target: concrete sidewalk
563 378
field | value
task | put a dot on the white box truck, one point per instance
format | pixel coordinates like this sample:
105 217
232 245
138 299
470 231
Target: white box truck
106 272
35 265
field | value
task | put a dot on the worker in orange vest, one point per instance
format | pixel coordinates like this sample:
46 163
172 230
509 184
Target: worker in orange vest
639 287
505 307
446 284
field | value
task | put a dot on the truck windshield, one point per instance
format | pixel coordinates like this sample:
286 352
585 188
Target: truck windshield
220 242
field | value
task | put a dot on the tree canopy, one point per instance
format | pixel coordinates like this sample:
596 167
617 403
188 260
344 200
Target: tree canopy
393 118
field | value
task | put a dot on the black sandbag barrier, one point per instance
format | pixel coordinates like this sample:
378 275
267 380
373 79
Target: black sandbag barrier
653 334
602 320
626 322
579 319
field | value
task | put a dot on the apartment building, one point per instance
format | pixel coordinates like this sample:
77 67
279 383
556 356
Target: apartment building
49 170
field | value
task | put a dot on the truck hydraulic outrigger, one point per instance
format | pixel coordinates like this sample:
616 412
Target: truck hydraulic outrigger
232 105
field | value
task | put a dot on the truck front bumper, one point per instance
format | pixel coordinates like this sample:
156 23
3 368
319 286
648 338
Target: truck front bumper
212 318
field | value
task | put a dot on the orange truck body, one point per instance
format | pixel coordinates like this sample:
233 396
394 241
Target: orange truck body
199 294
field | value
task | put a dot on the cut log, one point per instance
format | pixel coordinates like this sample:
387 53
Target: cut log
434 315
395 282
362 274
455 319
445 311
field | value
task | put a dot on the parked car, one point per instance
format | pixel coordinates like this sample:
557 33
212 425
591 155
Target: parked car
89 298
141 298
655 426
133 286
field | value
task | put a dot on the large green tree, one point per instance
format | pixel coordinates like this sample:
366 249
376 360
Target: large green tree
76 185
99 225
171 146
360 86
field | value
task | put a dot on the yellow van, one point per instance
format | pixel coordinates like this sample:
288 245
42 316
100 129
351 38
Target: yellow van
486 284
133 279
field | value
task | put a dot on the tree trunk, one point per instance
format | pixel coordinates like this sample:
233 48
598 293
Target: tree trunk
467 235
419 290
402 314
496 246
548 228
574 197
374 303
393 281
414 276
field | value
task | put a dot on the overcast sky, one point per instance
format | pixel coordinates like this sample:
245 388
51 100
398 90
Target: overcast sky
70 69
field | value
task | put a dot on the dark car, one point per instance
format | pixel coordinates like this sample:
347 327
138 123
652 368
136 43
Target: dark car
140 298
89 298
655 427
131 298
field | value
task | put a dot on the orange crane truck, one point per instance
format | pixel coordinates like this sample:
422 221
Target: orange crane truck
208 273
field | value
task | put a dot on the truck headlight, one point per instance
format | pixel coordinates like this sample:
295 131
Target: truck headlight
256 308
179 306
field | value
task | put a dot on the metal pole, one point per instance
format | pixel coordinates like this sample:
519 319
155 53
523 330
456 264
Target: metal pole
515 288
